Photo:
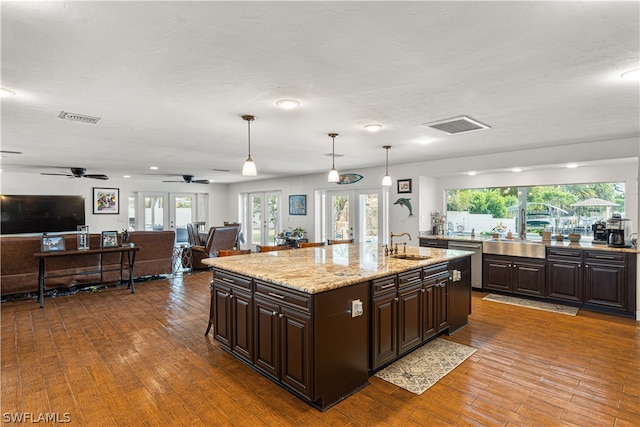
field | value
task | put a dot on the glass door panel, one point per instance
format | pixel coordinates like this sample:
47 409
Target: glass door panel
340 220
182 209
264 218
369 217
256 202
154 212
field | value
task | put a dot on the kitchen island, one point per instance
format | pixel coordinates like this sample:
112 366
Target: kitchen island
319 321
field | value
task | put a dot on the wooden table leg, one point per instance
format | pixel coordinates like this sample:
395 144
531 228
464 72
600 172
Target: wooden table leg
131 257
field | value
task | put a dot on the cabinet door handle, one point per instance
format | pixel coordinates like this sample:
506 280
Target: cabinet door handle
274 313
280 315
586 266
231 296
276 295
579 265
396 299
422 290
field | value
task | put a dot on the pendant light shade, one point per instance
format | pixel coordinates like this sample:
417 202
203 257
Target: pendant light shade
386 181
249 168
334 176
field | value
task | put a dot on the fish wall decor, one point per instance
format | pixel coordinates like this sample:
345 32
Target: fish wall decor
405 202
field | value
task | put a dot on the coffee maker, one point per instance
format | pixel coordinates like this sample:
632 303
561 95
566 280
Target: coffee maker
617 229
600 232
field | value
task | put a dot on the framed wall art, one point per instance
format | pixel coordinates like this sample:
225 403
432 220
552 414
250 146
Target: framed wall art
52 243
109 239
106 200
298 205
404 186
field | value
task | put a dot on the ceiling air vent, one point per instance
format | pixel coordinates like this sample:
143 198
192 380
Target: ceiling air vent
79 117
456 125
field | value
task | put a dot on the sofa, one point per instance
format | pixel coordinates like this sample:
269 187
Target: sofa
19 268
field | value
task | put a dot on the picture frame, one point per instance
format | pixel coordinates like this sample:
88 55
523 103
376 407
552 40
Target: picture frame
404 186
109 239
52 244
106 200
298 204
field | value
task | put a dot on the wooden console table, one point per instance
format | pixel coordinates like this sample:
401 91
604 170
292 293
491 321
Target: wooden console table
43 256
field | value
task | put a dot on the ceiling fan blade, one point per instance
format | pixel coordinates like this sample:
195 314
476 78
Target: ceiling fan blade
97 176
57 174
173 181
201 181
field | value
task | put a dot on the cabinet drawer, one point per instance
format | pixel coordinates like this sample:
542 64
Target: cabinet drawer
434 243
383 285
409 278
604 256
434 270
289 297
564 252
232 279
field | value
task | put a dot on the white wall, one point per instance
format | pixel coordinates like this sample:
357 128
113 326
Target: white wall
29 183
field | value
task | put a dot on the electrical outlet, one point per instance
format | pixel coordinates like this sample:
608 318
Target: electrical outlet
356 308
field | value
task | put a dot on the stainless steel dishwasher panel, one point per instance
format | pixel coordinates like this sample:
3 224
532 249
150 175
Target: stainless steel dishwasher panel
476 260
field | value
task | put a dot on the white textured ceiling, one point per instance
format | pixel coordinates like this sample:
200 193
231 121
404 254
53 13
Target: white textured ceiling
170 81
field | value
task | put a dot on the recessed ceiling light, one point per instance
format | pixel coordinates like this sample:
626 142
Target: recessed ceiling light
472 173
154 168
287 104
516 170
126 176
425 141
5 93
571 165
373 127
631 74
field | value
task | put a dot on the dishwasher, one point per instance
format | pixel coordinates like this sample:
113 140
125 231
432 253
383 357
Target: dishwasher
476 259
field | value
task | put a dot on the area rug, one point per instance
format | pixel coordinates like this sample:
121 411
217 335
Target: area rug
423 367
538 305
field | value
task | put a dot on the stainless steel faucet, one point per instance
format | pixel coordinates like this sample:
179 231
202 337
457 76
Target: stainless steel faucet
397 235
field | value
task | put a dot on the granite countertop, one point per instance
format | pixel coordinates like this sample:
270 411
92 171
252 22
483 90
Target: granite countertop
552 243
320 269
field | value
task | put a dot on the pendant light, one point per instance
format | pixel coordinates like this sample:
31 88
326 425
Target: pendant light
249 168
334 176
386 181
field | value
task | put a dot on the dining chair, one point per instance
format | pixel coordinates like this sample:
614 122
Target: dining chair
192 234
310 244
273 248
219 238
337 242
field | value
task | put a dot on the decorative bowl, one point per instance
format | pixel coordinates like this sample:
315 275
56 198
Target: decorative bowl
574 238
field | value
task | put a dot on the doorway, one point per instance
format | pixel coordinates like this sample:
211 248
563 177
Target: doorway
353 214
262 214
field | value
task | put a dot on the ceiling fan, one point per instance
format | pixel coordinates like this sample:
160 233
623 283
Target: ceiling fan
189 179
79 173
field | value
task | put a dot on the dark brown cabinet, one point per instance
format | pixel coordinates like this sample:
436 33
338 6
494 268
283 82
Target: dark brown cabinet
525 276
604 279
283 336
398 316
564 280
459 293
595 278
435 300
425 242
233 313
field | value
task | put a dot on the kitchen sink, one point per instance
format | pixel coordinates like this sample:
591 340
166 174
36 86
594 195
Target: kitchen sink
515 247
411 257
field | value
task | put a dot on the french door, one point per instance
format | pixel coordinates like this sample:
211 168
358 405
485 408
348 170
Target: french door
262 214
167 211
354 214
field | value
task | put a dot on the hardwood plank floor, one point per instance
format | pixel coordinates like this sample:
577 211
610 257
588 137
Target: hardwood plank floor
112 358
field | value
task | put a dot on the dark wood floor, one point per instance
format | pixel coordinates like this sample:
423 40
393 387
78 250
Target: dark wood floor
112 358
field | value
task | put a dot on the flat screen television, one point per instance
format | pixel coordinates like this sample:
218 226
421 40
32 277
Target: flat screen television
40 214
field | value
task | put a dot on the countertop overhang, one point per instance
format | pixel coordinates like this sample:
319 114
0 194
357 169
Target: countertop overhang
320 269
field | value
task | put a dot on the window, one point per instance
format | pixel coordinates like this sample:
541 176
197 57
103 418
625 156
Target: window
561 209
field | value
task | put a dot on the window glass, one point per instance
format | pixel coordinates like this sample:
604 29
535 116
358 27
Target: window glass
560 209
